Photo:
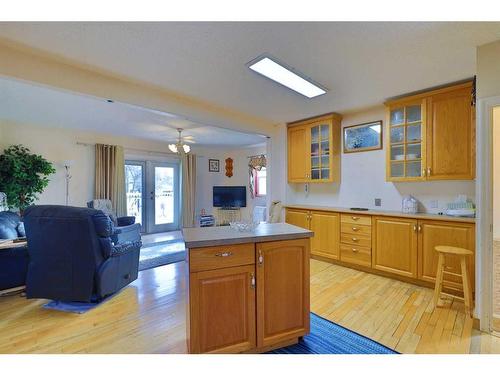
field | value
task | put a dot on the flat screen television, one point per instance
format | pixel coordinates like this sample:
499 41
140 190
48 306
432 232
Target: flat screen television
230 196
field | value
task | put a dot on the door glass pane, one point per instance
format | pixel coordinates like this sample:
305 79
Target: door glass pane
397 134
325 161
315 148
413 151
397 152
413 133
413 113
324 132
397 116
164 195
315 162
315 174
315 134
413 169
325 173
325 147
134 190
397 169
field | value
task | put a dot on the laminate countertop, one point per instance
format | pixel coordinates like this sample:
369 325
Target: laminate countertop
220 236
425 216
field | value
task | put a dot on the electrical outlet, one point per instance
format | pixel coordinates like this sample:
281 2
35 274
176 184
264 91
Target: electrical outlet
378 202
434 204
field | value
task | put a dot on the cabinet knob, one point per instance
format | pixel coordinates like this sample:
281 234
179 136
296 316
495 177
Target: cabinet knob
261 258
429 170
354 250
355 229
355 239
355 217
415 227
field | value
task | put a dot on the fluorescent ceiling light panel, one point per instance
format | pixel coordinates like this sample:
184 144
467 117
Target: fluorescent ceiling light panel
285 76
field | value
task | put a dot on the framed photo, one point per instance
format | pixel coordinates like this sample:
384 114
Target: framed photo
213 165
363 137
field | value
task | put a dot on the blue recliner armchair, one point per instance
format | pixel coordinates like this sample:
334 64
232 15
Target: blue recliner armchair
72 256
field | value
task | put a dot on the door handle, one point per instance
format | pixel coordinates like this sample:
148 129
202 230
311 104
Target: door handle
252 280
261 259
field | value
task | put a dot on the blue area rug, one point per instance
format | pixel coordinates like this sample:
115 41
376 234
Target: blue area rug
75 307
329 338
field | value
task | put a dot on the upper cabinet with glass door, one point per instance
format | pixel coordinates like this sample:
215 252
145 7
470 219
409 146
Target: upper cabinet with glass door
430 136
406 141
314 149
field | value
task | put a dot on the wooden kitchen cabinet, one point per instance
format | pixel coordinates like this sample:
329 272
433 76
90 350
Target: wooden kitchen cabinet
326 239
314 149
431 135
299 218
283 284
223 310
435 233
395 242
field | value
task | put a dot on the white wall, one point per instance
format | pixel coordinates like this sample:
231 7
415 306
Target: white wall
57 145
496 173
363 179
205 180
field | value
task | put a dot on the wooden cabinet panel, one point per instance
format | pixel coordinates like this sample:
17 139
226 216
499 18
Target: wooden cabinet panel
395 246
282 291
354 254
222 307
326 228
434 233
353 239
299 218
298 149
214 257
450 141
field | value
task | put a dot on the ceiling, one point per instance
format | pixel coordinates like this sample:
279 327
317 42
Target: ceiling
26 103
361 63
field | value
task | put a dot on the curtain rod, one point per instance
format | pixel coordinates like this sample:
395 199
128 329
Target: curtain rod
132 149
256 156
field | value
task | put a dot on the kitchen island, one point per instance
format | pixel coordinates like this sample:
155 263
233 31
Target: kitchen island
247 291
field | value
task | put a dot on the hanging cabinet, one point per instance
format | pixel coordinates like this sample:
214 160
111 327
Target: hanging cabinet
430 136
314 149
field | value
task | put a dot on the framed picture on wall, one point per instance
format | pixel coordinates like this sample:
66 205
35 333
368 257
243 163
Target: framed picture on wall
363 137
213 165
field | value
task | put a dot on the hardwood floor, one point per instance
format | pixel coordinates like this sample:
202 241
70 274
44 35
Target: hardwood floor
149 317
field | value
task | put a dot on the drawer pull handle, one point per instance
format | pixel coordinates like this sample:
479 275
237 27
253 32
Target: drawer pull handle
355 217
261 258
354 250
224 254
355 229
252 281
355 239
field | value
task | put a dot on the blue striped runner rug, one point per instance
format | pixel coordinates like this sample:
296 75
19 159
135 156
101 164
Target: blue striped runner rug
329 338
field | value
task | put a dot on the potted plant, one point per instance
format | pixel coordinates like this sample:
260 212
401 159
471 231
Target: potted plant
23 175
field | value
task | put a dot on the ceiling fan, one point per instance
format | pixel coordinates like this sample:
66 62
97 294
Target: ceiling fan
180 147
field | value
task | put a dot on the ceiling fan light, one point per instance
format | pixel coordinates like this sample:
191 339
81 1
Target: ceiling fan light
186 148
172 148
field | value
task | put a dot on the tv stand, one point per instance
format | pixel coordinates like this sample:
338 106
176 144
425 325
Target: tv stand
225 215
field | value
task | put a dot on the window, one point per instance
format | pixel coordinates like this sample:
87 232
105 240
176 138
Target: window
260 182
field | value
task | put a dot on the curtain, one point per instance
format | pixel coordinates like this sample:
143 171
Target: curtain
110 176
256 163
188 165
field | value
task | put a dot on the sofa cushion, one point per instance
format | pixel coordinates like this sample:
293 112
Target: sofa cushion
7 229
11 216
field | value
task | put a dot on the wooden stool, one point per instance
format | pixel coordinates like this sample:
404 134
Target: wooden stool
462 254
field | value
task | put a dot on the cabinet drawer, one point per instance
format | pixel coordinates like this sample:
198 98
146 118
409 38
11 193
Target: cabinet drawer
356 219
356 229
356 255
215 257
356 240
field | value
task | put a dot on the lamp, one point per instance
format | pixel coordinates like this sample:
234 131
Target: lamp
67 165
179 147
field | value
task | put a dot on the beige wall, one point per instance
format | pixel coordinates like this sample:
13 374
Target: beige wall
496 173
488 70
57 145
363 180
205 180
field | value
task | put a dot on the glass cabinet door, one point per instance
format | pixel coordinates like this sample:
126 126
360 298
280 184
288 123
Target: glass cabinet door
320 152
405 138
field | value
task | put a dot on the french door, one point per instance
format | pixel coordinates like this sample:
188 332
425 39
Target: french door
153 194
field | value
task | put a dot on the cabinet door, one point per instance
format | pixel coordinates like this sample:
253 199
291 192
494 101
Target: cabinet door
321 151
435 233
282 291
298 162
451 136
395 246
299 218
222 305
326 228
